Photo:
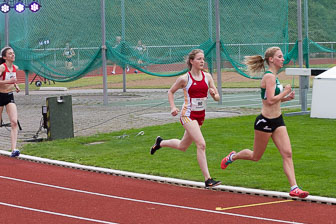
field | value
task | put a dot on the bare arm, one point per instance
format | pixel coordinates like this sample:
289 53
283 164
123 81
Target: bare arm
16 85
10 81
73 52
179 84
2 69
290 97
270 86
212 88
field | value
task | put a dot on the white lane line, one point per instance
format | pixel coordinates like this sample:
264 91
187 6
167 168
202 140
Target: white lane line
55 213
143 201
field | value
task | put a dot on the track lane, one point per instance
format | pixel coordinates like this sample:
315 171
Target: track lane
120 210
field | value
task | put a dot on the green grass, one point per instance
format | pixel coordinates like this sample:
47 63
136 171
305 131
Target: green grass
313 143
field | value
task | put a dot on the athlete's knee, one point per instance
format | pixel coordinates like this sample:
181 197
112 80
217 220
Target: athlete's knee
255 158
183 148
184 145
201 146
14 123
287 154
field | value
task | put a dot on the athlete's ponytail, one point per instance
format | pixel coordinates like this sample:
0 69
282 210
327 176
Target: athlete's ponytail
2 60
256 63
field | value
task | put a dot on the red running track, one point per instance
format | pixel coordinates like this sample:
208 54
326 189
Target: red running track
39 193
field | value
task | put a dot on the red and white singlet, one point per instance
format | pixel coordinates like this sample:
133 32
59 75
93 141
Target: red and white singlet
7 75
195 95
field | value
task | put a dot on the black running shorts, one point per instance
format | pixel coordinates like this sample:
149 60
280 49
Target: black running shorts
268 125
6 98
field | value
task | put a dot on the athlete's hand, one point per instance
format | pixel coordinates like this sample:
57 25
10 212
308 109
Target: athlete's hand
212 92
291 96
288 89
17 88
12 80
174 111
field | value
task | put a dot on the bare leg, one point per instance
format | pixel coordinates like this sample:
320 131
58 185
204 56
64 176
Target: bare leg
260 143
192 134
12 114
281 140
194 131
1 110
182 144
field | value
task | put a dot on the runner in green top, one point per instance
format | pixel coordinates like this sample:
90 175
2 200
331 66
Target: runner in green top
270 124
278 88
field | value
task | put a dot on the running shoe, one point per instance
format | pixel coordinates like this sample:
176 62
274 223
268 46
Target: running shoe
15 153
297 192
156 146
226 160
211 183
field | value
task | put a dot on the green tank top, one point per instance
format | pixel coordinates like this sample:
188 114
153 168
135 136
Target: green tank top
278 88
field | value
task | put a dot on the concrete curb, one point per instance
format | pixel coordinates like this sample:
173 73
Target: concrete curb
241 190
53 89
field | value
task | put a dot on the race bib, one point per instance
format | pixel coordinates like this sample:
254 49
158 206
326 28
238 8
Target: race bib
198 104
10 75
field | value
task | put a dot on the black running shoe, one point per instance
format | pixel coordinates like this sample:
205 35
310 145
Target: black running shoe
156 146
15 153
211 183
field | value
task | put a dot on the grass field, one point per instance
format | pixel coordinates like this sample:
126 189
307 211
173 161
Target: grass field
313 143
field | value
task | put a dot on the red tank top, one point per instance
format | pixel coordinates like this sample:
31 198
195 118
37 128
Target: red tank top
198 89
6 75
195 94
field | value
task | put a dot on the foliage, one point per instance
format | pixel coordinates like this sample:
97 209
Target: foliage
321 20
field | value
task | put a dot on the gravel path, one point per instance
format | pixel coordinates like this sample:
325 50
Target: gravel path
125 110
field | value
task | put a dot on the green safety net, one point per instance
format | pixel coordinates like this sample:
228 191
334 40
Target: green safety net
246 30
63 41
323 54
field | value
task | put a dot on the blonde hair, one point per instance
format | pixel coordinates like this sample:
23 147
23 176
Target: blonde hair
191 56
256 63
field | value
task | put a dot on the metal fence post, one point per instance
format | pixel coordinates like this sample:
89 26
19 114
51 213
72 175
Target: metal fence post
103 49
218 54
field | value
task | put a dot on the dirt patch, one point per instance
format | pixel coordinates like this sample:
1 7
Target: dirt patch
229 80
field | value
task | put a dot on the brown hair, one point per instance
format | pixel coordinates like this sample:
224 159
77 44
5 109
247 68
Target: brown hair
256 63
3 54
191 56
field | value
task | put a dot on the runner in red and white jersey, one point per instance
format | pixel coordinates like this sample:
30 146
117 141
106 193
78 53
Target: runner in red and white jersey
7 85
195 84
195 95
